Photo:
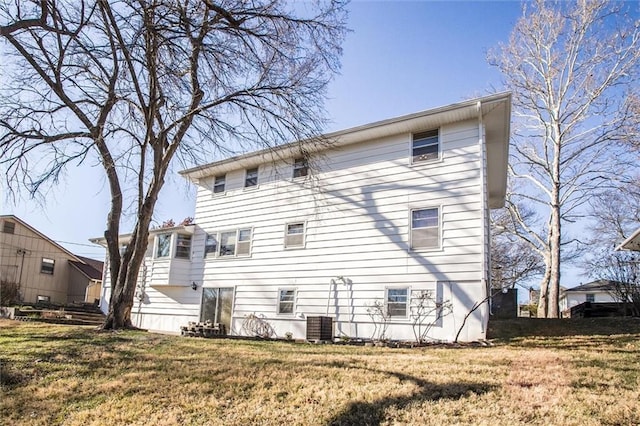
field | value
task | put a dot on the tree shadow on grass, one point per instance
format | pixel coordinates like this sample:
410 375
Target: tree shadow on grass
372 413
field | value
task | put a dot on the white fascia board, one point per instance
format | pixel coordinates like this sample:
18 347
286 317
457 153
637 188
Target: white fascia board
632 243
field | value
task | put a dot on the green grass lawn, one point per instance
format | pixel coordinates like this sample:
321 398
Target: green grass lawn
75 376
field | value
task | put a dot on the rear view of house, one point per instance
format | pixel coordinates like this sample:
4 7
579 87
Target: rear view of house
41 269
358 228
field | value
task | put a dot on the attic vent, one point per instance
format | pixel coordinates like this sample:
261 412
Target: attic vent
319 329
8 227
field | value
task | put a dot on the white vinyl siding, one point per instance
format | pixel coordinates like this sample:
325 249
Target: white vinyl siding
357 214
357 224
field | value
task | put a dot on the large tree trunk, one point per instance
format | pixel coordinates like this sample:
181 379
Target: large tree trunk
543 299
554 272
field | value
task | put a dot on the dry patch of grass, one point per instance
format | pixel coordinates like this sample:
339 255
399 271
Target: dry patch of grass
75 376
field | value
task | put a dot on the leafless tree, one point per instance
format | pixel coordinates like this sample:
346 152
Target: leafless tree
616 215
513 260
134 84
573 70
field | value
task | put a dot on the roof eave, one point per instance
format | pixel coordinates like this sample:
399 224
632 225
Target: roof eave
632 243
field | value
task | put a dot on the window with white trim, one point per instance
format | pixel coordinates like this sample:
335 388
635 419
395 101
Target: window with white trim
183 246
232 243
210 245
397 302
219 184
294 235
590 297
425 146
286 301
47 265
244 242
163 245
300 167
227 244
425 228
251 178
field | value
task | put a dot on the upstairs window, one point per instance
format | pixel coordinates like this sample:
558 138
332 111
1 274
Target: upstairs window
228 244
300 167
426 146
219 184
590 297
235 243
294 235
183 246
251 178
397 302
8 227
163 249
47 265
210 245
244 242
286 300
425 228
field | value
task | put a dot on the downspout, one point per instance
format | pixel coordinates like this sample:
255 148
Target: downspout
486 254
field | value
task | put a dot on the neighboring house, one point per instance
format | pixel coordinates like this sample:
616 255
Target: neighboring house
43 270
594 292
85 280
382 213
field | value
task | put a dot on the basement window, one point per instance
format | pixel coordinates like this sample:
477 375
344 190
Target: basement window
286 300
397 302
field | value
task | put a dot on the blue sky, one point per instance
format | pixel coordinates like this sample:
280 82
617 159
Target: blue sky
401 57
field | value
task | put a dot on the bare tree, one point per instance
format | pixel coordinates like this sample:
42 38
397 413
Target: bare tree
615 217
573 69
513 260
134 84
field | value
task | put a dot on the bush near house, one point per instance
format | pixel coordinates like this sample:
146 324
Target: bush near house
9 293
75 376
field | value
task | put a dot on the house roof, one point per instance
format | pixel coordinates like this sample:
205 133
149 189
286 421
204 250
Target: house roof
124 238
600 285
40 234
494 111
87 270
632 243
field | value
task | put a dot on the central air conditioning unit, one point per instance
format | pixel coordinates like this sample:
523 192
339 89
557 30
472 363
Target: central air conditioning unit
319 329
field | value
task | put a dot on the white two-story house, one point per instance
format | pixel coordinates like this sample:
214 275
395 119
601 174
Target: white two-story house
375 214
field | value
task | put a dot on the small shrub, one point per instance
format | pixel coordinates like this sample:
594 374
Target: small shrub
9 293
